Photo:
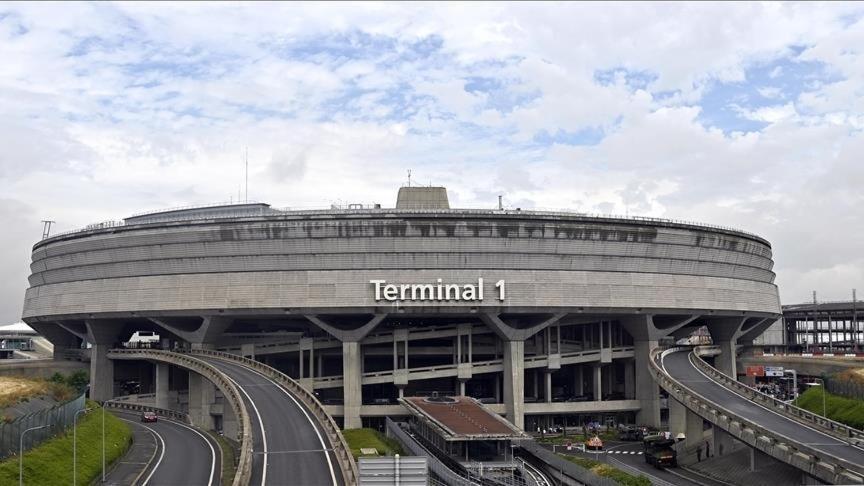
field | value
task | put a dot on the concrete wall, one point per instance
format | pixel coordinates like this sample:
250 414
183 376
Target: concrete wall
327 262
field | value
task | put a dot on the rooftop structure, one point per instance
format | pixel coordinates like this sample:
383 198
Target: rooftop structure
460 418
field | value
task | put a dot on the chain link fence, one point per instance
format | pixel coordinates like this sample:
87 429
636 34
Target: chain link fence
845 387
57 419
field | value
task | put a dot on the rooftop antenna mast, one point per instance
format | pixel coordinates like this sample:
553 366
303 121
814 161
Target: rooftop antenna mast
247 174
46 228
409 177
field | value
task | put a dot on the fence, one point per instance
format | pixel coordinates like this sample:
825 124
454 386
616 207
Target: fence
845 387
57 418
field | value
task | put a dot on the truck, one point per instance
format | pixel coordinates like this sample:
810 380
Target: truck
659 450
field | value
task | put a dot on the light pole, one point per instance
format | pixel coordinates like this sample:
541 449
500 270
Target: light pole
21 454
824 392
75 445
104 403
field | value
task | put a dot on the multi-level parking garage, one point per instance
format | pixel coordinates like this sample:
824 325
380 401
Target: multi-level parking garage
538 314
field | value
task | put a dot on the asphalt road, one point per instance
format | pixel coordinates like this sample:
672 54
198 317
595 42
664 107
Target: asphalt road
185 456
679 367
619 456
289 447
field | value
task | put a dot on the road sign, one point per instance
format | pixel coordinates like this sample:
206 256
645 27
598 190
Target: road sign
755 371
773 371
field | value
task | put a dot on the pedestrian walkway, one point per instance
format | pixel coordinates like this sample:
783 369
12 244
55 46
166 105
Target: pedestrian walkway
735 468
130 469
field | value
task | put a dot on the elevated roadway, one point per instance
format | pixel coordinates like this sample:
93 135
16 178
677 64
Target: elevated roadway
288 446
288 439
819 447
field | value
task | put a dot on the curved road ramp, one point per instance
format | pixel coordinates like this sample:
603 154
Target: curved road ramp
287 438
822 448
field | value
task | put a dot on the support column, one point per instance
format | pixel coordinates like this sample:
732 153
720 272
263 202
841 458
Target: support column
162 389
725 333
202 394
629 379
597 382
579 379
725 361
514 382
548 388
102 336
352 384
723 442
647 391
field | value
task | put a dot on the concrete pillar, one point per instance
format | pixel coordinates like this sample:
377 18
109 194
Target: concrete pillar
579 379
352 385
548 388
230 428
497 390
202 394
535 382
597 382
102 336
514 382
723 443
725 361
684 421
162 371
647 391
629 379
461 388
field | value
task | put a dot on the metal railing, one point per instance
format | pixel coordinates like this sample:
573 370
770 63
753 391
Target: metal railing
340 448
436 466
805 457
140 407
561 213
221 380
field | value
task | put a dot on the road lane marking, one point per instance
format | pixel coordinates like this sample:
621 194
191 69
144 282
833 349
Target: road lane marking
312 423
212 451
260 425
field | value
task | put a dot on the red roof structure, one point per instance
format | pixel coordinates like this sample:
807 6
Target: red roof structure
461 418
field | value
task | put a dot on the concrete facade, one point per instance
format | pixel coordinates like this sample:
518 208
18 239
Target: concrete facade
586 298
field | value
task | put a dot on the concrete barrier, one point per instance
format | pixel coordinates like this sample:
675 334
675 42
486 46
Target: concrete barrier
334 435
211 373
815 462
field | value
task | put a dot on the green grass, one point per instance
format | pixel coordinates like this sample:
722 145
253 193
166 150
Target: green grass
607 471
228 450
50 463
844 410
363 438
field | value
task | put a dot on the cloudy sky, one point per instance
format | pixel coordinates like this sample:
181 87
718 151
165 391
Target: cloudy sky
748 115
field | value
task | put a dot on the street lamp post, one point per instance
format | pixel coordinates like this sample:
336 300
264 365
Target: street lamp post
104 403
824 392
21 454
75 445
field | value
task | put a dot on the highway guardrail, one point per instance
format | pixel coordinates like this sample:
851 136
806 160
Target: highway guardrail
221 380
334 435
817 463
140 407
841 431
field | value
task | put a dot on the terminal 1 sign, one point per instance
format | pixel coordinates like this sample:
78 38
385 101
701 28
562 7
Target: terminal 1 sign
439 291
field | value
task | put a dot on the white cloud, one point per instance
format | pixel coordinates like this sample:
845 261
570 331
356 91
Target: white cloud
336 103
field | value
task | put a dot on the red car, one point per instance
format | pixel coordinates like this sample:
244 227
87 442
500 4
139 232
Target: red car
149 417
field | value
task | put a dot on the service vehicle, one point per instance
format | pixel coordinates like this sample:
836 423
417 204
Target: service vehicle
659 450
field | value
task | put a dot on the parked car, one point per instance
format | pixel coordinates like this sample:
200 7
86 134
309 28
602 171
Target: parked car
149 417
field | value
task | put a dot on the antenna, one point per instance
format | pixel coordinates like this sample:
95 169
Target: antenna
409 177
247 174
46 228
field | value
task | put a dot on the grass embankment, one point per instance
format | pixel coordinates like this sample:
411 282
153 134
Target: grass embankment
50 463
15 389
607 471
370 438
228 456
844 410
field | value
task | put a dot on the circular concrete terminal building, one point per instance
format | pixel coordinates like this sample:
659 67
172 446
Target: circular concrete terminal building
540 315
